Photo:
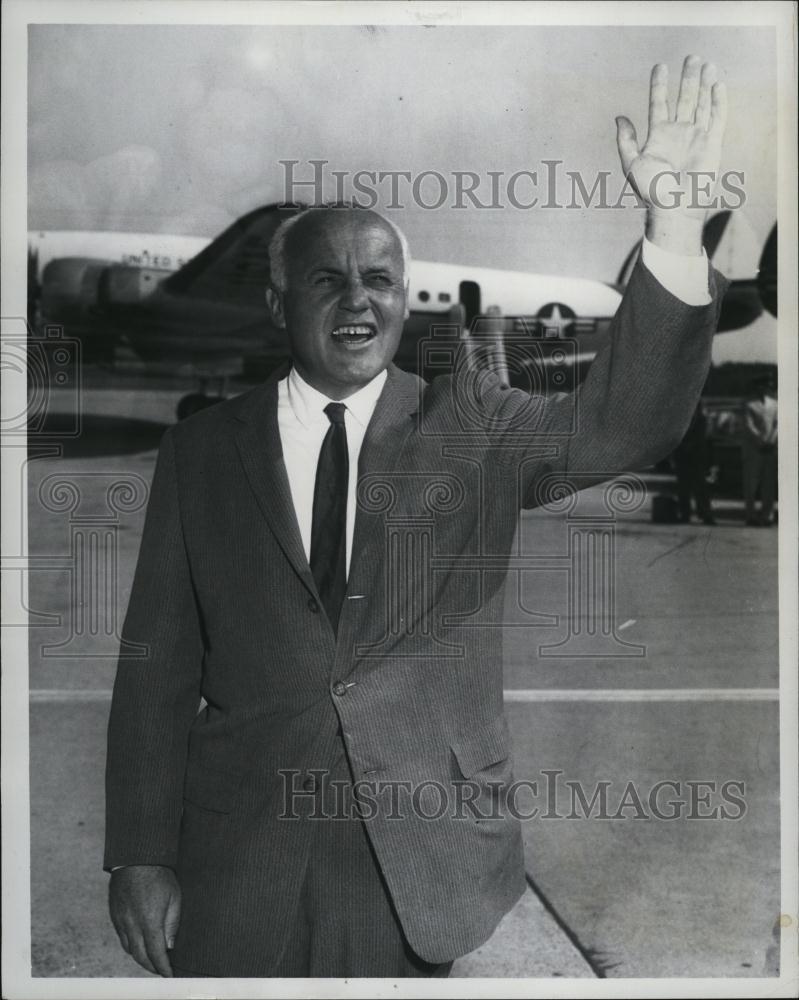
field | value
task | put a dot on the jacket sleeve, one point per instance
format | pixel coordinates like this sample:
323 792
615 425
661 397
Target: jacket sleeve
156 694
637 400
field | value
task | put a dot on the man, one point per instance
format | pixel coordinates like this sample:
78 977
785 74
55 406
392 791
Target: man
759 452
691 466
285 578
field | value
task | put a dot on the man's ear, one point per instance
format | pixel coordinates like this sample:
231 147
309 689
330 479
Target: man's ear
274 301
407 299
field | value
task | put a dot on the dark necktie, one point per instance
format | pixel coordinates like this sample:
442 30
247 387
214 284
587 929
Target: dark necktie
329 525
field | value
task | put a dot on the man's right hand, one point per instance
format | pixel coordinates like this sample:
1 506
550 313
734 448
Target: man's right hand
144 902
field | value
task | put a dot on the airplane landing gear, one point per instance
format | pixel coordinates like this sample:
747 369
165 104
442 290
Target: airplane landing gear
196 401
193 403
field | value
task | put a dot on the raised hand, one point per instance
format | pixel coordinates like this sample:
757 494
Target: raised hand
676 170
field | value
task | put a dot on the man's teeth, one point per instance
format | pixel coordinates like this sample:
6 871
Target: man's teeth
354 334
353 331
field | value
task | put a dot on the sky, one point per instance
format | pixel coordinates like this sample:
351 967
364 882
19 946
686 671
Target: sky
181 129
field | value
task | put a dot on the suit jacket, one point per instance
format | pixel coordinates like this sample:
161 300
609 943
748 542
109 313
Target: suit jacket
226 605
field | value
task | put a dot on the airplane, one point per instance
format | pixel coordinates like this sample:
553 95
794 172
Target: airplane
187 300
746 296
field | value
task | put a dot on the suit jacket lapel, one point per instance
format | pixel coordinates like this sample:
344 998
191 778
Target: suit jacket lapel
258 441
391 425
257 438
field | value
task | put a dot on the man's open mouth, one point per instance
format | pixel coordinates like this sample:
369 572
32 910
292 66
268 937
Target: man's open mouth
354 333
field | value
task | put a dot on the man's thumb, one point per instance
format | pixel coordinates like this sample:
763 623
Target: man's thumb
172 921
627 142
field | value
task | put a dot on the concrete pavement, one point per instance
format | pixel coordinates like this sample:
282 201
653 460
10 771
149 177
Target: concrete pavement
71 933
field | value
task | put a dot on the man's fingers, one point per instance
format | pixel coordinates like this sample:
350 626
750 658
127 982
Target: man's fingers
627 143
155 943
708 78
138 951
121 930
718 110
658 95
148 948
689 89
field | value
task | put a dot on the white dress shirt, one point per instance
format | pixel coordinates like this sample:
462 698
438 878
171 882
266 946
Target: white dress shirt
303 424
685 277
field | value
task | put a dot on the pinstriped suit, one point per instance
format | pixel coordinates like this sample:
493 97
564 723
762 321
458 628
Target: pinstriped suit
225 601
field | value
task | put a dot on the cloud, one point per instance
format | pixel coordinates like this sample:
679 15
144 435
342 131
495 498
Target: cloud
124 182
57 189
231 138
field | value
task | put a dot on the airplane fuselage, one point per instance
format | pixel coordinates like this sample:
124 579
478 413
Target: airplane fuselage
114 287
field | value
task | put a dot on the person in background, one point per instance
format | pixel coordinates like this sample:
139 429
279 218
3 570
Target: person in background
691 462
760 452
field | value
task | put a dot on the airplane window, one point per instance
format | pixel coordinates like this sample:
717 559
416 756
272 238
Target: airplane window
444 296
424 296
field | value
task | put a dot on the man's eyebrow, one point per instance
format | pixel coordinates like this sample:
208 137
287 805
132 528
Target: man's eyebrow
378 269
371 269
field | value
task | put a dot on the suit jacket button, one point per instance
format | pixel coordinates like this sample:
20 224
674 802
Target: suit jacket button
340 688
313 605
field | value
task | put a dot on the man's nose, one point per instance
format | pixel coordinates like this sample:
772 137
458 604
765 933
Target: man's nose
354 298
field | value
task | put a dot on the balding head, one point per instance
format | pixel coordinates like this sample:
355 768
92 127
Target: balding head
292 234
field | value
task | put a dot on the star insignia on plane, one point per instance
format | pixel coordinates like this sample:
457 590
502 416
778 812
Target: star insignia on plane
555 320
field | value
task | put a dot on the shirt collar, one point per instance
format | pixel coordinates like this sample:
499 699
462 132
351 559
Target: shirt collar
308 404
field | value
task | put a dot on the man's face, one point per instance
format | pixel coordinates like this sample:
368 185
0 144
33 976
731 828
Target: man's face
345 303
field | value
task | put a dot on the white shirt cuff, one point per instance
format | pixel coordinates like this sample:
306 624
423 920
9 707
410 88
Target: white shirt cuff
685 277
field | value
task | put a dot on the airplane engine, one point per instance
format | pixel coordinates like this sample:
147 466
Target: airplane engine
70 288
122 285
75 288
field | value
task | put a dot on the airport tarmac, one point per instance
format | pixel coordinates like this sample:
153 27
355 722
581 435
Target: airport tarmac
681 708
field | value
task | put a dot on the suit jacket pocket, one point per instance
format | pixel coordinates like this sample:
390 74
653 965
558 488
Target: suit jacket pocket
483 747
209 788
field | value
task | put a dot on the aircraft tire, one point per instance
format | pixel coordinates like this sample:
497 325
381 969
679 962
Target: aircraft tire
193 403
